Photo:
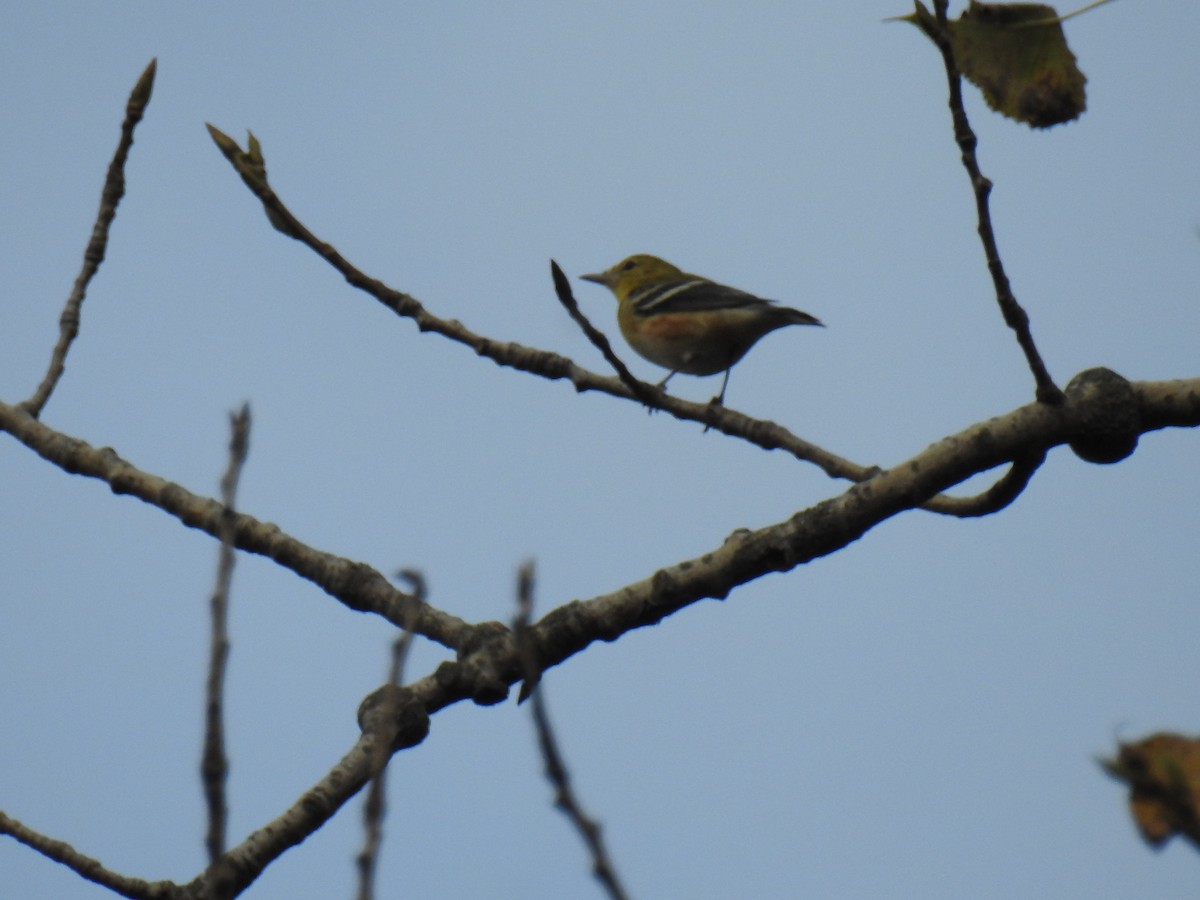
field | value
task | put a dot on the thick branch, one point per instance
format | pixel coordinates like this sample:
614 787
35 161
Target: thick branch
87 867
355 584
391 719
489 658
494 659
1021 435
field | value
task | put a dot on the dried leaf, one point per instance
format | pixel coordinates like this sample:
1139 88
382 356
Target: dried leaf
1018 56
1163 774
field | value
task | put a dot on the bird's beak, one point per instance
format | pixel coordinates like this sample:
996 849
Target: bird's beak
597 278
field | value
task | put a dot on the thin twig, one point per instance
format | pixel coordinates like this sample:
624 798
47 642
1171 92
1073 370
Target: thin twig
1014 315
1003 492
419 590
531 667
375 802
556 769
93 256
1058 20
214 767
562 289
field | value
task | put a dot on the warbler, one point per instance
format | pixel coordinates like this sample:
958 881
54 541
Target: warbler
687 323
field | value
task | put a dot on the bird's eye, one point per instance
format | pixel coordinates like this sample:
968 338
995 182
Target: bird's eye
629 264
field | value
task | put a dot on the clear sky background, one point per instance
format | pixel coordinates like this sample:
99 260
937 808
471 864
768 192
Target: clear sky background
916 716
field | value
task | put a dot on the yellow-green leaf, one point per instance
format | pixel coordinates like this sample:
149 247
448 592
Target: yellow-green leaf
1018 56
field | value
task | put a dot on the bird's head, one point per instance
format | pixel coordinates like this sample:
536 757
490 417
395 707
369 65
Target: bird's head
635 272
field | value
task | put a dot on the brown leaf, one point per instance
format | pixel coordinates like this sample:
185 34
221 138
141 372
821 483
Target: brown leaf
1163 774
1018 56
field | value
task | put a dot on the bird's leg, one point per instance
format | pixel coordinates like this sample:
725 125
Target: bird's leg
719 400
662 386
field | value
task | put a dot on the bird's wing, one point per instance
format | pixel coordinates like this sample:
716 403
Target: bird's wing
694 295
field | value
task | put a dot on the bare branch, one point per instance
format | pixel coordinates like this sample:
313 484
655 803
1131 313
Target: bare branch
545 363
1014 315
995 498
489 659
374 808
394 719
87 867
562 289
760 432
355 584
214 767
93 256
531 667
1096 402
1167 404
556 769
565 799
1101 418
420 592
375 804
825 528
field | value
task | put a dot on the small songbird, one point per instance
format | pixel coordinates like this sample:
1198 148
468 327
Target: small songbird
687 323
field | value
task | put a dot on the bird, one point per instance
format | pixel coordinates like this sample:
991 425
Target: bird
687 323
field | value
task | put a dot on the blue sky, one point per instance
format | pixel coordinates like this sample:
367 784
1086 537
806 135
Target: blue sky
917 715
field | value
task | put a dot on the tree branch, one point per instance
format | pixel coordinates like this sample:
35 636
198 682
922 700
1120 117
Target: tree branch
214 765
489 658
93 256
1014 315
375 804
87 867
545 363
760 432
493 658
820 530
555 767
1007 489
639 389
355 584
390 719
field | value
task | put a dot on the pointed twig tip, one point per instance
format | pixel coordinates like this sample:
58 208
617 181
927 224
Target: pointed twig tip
140 95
